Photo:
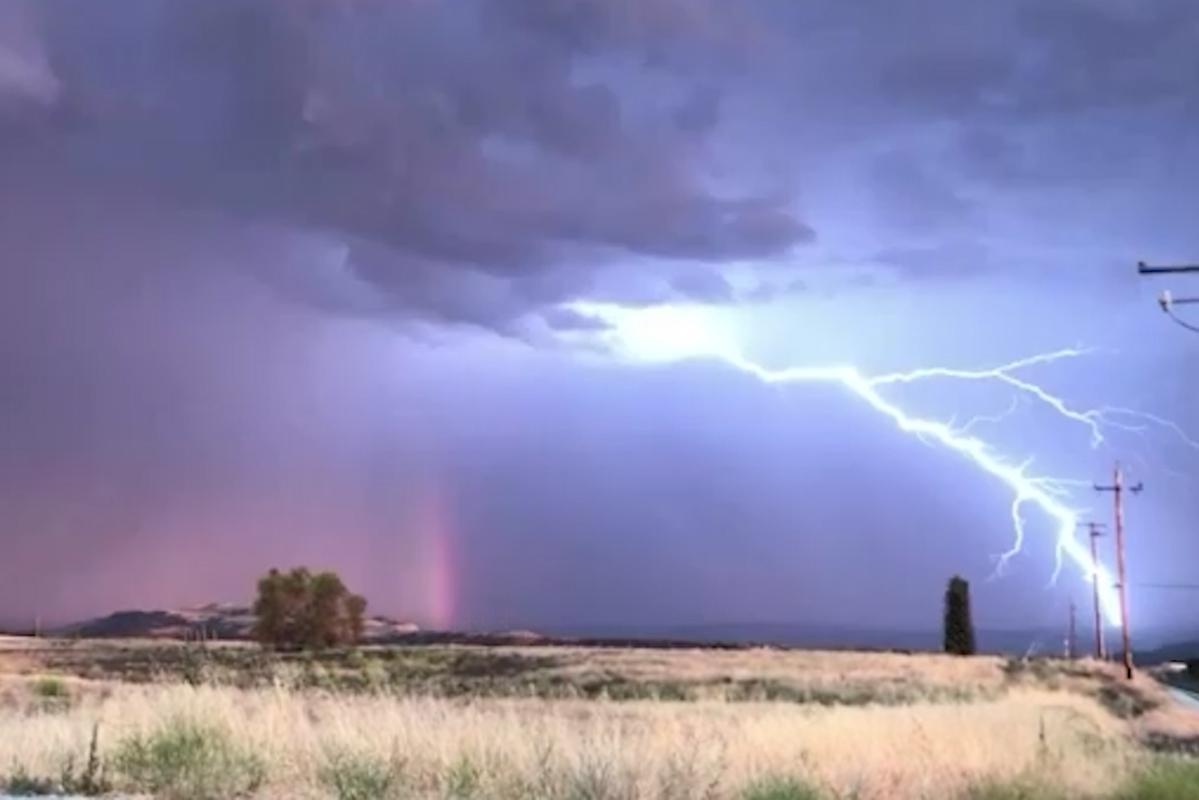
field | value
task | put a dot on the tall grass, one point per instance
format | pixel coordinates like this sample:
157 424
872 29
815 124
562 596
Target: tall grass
604 725
203 742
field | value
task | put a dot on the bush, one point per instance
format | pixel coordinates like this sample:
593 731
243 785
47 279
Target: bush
780 788
49 688
51 694
1125 701
1164 779
358 777
21 784
186 761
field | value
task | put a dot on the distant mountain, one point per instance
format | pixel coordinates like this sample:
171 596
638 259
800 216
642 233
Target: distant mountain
215 620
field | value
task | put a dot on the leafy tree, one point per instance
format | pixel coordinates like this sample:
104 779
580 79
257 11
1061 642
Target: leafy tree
329 613
269 608
300 609
356 615
959 629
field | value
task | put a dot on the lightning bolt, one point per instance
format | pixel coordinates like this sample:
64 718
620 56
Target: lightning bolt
1043 493
678 336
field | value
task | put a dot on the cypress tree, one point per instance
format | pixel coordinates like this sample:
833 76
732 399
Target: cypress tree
959 629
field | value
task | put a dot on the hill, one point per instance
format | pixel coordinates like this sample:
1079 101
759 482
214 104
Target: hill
213 621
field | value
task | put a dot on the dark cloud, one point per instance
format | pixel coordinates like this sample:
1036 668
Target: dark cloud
706 286
516 139
447 138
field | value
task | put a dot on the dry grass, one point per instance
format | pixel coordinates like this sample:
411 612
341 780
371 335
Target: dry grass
1052 723
633 748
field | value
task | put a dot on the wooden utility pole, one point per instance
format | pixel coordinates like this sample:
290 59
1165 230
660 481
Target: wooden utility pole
1117 489
1071 644
1094 531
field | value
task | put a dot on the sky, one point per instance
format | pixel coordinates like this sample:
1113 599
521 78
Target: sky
354 284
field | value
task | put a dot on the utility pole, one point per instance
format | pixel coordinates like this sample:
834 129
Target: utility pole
1094 532
1117 489
1071 645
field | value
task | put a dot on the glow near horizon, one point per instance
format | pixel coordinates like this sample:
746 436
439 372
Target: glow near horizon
678 333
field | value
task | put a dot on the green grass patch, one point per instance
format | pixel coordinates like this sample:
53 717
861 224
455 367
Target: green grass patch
462 779
51 688
1167 778
51 694
186 761
1019 789
780 787
351 776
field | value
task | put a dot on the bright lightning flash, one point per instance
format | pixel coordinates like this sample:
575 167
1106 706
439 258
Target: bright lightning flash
677 333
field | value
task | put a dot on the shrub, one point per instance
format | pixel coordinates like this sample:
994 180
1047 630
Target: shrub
21 784
186 761
1125 701
1166 778
780 788
51 694
357 777
50 688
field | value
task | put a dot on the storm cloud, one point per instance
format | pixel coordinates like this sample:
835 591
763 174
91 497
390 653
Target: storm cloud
297 278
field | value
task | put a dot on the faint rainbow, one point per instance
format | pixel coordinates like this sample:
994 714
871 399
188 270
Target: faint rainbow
437 537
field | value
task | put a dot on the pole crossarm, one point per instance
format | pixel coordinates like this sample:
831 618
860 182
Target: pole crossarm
1146 269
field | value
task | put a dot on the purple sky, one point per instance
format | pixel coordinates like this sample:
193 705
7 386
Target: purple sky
299 281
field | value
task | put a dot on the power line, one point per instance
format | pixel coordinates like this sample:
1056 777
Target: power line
1180 321
1184 586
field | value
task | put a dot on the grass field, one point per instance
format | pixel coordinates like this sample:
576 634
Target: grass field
471 722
